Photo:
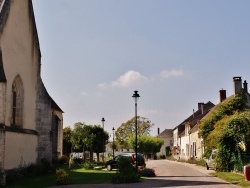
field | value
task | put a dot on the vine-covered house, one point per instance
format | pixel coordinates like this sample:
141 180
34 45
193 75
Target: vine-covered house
31 122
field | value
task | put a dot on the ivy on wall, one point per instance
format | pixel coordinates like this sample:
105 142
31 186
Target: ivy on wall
227 128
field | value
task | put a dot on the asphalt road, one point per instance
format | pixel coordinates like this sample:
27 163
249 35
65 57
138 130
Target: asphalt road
171 174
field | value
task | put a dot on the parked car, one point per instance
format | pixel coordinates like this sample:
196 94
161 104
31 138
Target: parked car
210 162
111 164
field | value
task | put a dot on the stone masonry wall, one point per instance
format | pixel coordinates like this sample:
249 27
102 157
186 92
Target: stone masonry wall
2 119
2 144
43 123
2 102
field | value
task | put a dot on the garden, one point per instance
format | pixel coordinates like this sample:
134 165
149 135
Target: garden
62 172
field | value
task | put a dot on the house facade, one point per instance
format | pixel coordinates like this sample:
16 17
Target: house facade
186 139
188 144
167 136
31 122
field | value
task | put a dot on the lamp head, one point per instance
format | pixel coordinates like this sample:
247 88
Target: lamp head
136 96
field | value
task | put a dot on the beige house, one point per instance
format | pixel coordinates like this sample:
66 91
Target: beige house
167 136
191 139
187 142
30 121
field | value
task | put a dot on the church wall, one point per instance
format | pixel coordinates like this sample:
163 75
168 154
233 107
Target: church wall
20 57
2 101
43 123
20 149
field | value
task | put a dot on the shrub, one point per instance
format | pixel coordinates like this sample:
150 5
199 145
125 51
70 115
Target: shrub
62 176
27 171
162 156
201 162
88 165
126 172
147 172
64 159
77 161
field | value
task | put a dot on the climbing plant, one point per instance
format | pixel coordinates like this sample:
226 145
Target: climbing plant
227 128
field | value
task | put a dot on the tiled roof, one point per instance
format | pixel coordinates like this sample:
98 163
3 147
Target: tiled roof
166 132
195 117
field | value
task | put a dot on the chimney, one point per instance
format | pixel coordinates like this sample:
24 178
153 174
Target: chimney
158 131
245 86
223 95
237 85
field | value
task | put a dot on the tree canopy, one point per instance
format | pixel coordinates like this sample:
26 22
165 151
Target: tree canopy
146 144
127 129
67 141
88 137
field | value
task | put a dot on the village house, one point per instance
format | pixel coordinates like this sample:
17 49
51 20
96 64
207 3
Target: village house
167 136
184 148
31 122
187 141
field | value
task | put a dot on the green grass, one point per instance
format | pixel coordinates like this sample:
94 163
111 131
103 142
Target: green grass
236 179
77 175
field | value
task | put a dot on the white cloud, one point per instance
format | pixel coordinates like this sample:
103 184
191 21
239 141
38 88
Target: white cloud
83 93
171 73
130 78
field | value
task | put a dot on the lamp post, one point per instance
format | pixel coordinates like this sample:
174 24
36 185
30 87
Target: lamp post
136 97
103 120
113 145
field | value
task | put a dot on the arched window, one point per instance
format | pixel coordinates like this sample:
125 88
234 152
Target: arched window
17 101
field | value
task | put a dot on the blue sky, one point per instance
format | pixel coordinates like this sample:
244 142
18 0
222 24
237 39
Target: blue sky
175 53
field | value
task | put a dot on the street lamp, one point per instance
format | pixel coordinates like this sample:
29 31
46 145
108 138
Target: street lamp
103 120
113 145
136 97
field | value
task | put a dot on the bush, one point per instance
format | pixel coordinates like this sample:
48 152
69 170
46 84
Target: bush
64 159
126 172
162 156
77 161
88 165
62 176
147 172
201 162
27 171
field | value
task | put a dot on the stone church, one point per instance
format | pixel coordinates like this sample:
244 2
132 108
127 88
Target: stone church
31 122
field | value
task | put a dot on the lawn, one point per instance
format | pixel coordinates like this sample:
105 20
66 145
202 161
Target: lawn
77 175
236 179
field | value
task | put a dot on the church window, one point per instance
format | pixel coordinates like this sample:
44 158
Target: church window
17 101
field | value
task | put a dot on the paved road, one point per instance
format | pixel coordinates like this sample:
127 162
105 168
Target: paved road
171 174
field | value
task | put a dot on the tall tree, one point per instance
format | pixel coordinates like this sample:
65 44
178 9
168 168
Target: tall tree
89 138
101 137
127 129
82 138
67 145
146 144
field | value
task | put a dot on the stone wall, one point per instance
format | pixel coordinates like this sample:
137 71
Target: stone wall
2 144
2 102
2 119
43 123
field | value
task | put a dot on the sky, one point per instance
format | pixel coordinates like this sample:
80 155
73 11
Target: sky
95 54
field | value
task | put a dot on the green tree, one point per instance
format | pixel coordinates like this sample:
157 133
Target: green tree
83 138
89 138
146 144
67 145
101 137
127 129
